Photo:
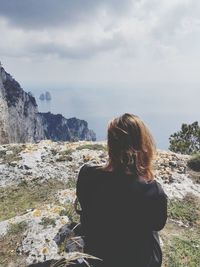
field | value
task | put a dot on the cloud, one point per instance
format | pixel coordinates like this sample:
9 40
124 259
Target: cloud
128 39
81 43
52 13
81 50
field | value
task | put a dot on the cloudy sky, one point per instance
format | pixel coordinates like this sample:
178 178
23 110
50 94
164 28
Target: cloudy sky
100 58
100 41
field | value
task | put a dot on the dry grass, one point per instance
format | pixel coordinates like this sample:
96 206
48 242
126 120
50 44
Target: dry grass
73 257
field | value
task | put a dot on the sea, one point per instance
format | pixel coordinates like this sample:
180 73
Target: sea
163 107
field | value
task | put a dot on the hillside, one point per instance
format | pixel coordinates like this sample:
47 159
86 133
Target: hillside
37 190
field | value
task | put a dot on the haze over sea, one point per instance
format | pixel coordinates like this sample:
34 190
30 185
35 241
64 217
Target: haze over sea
163 107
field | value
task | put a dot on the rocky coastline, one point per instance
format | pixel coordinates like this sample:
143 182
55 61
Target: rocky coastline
21 122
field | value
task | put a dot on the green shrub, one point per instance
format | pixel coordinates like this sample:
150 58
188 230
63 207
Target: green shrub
194 162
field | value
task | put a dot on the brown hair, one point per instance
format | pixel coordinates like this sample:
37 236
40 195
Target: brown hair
131 146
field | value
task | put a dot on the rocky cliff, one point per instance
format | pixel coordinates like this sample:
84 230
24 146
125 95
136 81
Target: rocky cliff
21 122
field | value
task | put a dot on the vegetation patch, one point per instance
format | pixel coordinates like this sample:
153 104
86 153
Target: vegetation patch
71 182
9 244
65 155
53 151
186 210
184 253
92 147
17 228
70 212
181 246
15 200
48 221
195 176
12 154
194 162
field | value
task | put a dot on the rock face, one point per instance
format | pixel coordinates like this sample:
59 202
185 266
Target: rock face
20 121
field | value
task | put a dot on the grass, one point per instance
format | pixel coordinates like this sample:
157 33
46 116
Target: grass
186 253
181 246
98 147
9 244
186 210
15 200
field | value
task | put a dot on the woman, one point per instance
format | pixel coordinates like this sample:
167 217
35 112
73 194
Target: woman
123 207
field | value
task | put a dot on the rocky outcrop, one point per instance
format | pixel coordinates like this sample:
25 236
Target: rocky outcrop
57 128
20 121
52 168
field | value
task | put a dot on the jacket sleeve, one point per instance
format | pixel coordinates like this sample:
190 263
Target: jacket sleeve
83 187
158 209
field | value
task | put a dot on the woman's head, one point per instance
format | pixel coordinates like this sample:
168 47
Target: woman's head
130 146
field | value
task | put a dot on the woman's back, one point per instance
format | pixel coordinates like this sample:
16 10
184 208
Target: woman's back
120 217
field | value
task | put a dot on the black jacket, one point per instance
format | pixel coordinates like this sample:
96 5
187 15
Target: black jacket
120 217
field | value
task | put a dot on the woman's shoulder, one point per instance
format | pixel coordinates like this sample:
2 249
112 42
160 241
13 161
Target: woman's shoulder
87 177
153 188
86 168
157 191
87 171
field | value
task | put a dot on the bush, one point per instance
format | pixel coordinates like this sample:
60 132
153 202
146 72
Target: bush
194 163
